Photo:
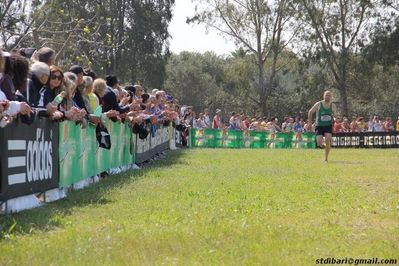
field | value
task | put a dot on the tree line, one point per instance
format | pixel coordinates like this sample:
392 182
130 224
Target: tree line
288 52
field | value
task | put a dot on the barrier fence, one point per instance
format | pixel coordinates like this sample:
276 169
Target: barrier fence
366 140
29 158
153 144
45 155
217 138
48 155
81 157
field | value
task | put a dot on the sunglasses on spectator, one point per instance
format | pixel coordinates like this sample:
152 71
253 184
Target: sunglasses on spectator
59 77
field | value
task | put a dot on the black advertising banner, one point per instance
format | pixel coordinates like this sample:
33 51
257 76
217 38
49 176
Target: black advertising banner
366 140
29 158
153 144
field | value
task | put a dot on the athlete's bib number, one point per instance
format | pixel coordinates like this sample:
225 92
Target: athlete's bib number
326 118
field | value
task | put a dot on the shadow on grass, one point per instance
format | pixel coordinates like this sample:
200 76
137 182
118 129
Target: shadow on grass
52 215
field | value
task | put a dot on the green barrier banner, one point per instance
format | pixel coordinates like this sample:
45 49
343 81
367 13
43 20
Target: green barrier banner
213 138
298 140
119 154
68 152
216 138
81 157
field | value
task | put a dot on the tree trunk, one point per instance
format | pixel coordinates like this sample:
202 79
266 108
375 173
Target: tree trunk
344 94
262 86
344 99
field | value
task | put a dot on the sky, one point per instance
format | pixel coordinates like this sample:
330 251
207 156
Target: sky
193 37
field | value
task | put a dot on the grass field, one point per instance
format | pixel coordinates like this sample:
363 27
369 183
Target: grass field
220 207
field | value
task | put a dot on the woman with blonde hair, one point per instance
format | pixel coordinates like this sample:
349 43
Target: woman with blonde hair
99 87
67 103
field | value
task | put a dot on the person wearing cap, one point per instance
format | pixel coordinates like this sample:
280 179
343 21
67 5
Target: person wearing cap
217 120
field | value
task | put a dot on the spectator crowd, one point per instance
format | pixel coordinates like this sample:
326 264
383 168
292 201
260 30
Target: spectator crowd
34 86
239 122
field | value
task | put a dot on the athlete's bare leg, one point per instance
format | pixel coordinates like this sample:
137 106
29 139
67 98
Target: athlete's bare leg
327 137
319 140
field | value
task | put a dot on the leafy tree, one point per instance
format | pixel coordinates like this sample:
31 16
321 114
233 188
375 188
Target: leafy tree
15 22
196 79
257 27
336 30
127 38
240 80
145 52
383 48
391 3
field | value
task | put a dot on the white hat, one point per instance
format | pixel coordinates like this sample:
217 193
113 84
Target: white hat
218 110
5 54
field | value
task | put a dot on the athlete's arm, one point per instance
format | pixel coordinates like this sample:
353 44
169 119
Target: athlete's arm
334 109
312 110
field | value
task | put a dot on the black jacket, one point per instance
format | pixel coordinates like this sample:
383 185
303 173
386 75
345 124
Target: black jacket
110 102
79 99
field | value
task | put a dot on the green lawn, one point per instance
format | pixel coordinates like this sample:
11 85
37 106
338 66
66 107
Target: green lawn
220 207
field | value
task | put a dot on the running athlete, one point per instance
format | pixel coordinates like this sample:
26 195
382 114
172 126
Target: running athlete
325 113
